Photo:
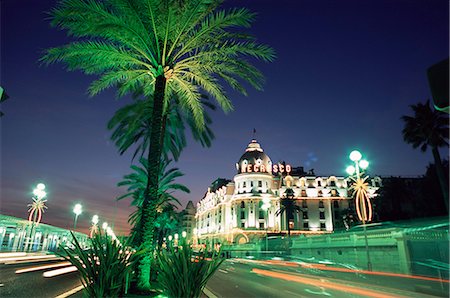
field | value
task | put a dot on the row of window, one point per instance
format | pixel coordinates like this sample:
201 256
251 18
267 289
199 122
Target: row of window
244 184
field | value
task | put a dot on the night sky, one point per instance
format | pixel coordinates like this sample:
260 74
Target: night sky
346 71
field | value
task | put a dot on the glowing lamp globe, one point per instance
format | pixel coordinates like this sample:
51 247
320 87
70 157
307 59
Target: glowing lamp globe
77 209
183 234
104 225
95 219
170 237
40 186
350 170
364 164
176 236
355 155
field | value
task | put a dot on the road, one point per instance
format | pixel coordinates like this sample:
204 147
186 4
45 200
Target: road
249 278
24 276
29 284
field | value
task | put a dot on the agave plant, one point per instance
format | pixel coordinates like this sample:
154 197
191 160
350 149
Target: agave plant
105 267
183 273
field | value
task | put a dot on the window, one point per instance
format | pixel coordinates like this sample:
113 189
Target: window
251 183
261 225
291 224
242 204
319 183
242 214
322 215
305 214
306 225
304 204
321 204
332 183
242 224
261 214
244 184
303 193
336 204
319 193
259 183
322 226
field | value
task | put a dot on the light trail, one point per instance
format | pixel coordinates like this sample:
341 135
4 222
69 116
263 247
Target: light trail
37 268
34 261
325 284
4 260
71 292
12 254
61 271
380 273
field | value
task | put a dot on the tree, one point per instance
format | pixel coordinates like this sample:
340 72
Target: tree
136 183
289 207
428 128
163 48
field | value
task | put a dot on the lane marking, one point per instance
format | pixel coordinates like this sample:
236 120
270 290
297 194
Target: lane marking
57 272
209 293
37 268
71 292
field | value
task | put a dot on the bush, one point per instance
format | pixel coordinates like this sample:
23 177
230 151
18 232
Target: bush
104 267
183 274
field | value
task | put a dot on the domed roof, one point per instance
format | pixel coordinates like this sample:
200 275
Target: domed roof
254 155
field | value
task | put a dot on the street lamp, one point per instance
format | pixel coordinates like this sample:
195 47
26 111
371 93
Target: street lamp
94 227
362 200
105 225
36 209
77 209
265 207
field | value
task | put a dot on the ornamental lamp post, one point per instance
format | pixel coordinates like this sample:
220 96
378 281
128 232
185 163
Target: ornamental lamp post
265 207
360 191
36 209
77 209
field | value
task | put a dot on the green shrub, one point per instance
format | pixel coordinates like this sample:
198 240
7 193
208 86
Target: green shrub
104 267
183 273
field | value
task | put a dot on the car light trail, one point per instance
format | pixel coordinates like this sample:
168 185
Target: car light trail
381 273
12 254
37 268
325 284
61 271
71 292
4 260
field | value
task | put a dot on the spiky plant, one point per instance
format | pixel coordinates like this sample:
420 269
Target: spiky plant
183 273
170 50
104 267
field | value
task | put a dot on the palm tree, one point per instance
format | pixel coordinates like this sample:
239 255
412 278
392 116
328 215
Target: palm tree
172 51
289 207
130 126
429 128
136 183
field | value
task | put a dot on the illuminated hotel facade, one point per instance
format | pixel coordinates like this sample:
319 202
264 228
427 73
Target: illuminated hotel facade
231 212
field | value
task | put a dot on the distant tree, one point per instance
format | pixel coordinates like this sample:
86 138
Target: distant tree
429 128
3 97
288 207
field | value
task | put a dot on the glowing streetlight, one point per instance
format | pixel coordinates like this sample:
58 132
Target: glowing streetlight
77 209
105 225
95 219
170 237
360 190
183 234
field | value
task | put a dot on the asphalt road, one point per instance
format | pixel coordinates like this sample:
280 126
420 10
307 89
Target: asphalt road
34 284
243 278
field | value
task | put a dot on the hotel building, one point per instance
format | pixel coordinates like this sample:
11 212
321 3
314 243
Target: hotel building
231 212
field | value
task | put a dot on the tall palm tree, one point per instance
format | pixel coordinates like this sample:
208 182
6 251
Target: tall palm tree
288 207
136 183
429 128
164 48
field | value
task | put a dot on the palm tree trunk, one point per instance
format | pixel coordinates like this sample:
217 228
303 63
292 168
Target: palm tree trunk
441 175
146 231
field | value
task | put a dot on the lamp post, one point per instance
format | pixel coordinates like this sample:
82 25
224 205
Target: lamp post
36 209
77 209
265 207
94 227
362 200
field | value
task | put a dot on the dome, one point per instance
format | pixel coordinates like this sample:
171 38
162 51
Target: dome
254 160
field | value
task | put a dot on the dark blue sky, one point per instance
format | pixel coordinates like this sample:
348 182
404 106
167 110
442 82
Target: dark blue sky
346 72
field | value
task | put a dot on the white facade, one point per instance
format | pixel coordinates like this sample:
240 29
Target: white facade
231 211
